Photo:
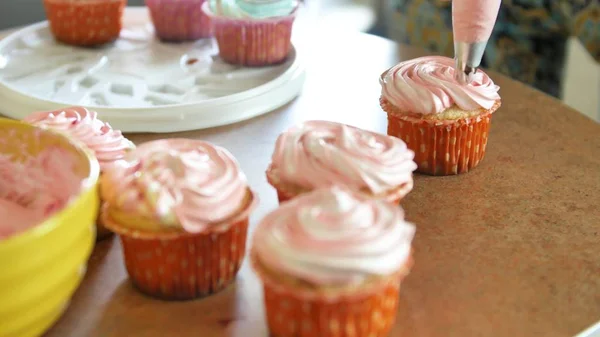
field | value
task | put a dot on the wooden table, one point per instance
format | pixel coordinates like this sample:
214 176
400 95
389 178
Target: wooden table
509 249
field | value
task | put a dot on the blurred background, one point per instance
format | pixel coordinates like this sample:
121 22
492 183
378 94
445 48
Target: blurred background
573 78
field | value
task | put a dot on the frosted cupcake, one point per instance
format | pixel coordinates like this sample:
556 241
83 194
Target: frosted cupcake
332 263
445 123
319 154
251 32
179 20
85 22
108 145
181 209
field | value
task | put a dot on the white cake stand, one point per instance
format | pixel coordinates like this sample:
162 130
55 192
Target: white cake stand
139 84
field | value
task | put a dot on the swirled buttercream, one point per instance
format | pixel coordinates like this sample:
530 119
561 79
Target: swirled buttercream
109 145
426 85
333 237
178 183
320 153
254 9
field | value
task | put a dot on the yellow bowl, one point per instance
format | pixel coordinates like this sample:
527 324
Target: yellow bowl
41 268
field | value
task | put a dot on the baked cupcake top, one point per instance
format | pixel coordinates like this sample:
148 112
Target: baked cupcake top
177 184
331 237
35 188
426 85
319 153
109 145
252 9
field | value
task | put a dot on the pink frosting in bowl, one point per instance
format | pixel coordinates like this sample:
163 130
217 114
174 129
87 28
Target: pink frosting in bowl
34 189
318 154
178 184
426 85
46 179
108 145
333 237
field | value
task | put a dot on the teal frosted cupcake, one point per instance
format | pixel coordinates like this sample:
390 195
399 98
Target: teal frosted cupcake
252 32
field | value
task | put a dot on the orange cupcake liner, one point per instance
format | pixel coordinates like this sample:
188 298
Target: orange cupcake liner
285 193
368 312
250 42
85 23
442 147
179 265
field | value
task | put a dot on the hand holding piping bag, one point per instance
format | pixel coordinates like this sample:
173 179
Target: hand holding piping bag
472 24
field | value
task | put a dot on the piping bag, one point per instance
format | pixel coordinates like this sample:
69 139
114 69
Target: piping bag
472 25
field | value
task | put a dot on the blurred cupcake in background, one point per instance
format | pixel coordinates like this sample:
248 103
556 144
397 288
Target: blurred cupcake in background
107 144
331 263
85 22
181 209
179 20
319 154
444 122
251 32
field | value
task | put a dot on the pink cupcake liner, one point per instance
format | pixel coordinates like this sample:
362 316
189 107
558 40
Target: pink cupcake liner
253 42
179 20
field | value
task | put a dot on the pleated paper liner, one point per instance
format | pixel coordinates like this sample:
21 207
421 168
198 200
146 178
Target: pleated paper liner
441 148
180 265
85 23
179 20
368 311
286 193
253 42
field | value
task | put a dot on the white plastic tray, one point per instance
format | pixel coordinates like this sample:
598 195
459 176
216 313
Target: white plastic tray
139 84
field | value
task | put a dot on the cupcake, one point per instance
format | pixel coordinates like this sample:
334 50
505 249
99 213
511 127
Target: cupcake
108 145
179 20
445 123
181 209
85 22
252 33
319 154
331 263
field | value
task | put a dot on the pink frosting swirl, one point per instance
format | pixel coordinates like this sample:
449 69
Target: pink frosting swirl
34 189
183 183
333 237
319 154
426 85
109 145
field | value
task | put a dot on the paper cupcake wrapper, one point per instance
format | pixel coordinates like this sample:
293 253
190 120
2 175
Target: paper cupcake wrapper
182 266
290 316
442 148
300 313
285 193
253 42
85 23
180 20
